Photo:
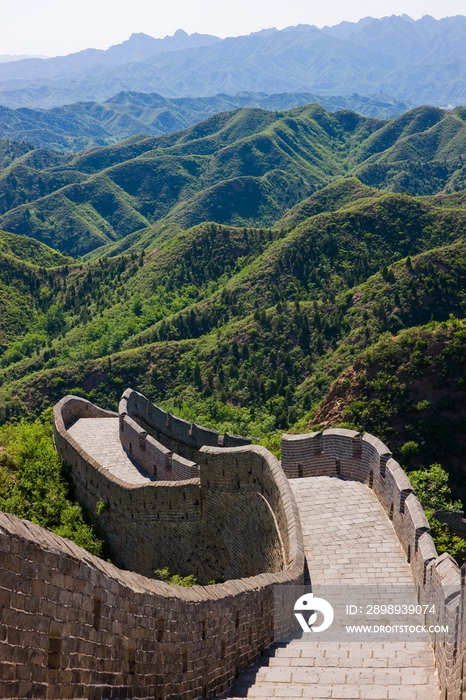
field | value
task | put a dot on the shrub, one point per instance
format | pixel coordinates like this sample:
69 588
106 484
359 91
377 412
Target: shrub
409 450
175 579
33 484
432 489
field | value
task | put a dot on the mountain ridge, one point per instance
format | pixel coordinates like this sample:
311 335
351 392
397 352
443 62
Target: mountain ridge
244 167
416 61
84 125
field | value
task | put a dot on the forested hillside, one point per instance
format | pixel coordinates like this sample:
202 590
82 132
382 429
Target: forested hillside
80 125
239 274
246 167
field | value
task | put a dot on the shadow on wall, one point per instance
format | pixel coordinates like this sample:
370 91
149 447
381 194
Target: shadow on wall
229 522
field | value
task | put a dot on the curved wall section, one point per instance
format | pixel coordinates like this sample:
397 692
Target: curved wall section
441 585
230 522
178 435
74 626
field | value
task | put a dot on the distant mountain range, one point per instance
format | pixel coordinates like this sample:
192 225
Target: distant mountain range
421 61
86 124
8 58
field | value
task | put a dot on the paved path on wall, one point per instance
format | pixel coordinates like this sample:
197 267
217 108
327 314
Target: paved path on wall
348 539
101 440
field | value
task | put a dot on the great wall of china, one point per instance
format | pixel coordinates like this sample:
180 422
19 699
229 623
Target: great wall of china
166 492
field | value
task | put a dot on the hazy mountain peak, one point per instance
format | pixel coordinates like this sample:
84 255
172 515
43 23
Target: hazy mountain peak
415 61
141 46
8 58
300 28
264 32
344 30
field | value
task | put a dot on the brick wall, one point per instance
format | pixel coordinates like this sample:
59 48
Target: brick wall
210 527
178 435
73 626
152 455
440 582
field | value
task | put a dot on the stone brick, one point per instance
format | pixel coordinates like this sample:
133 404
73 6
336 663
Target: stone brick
351 532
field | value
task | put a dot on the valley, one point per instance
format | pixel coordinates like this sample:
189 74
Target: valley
258 272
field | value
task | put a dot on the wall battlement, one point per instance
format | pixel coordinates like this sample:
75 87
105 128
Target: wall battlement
76 626
441 584
184 524
152 455
178 435
96 631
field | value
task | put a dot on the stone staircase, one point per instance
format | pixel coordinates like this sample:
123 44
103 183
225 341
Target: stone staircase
388 671
348 539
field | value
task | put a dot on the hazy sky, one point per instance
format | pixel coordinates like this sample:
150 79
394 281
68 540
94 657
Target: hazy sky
54 27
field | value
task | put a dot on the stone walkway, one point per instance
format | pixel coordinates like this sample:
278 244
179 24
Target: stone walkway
100 438
348 540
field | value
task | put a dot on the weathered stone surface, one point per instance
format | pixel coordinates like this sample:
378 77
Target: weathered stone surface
74 626
348 540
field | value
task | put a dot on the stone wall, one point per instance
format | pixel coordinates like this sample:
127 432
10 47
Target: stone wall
440 583
211 527
74 626
152 455
178 435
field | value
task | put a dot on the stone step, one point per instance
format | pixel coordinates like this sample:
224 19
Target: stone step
348 538
334 692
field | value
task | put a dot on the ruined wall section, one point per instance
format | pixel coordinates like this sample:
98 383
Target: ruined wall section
74 626
440 583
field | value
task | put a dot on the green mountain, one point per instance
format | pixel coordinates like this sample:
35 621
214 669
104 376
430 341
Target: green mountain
250 324
73 127
409 389
262 287
25 266
247 167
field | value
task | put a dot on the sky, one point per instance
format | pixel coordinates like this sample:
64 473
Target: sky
58 27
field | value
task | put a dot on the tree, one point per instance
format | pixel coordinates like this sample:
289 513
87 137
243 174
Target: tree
409 450
432 489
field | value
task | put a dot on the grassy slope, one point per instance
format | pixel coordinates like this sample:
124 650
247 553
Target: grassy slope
246 167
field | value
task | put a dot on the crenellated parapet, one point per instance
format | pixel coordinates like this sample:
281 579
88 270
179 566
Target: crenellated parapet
183 523
179 436
75 626
347 454
91 630
157 459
